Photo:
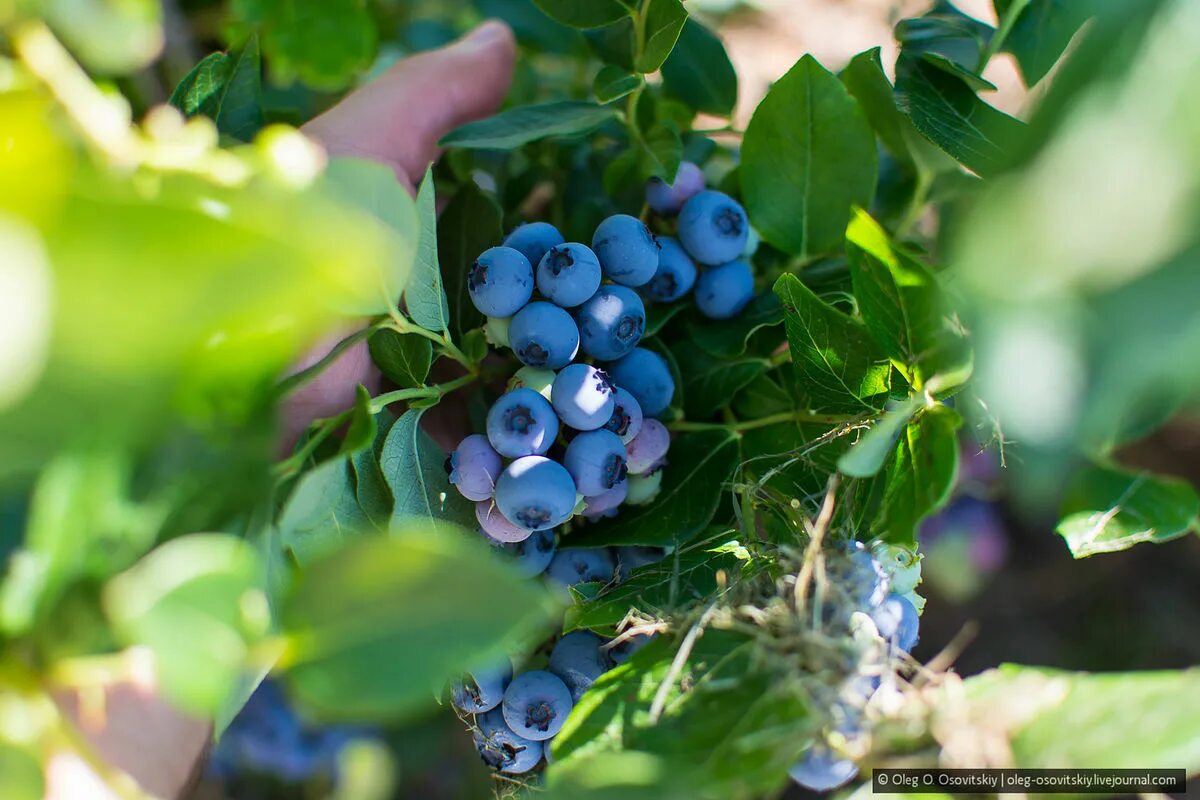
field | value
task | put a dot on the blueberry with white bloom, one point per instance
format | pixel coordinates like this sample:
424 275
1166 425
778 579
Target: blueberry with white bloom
647 377
667 198
723 292
521 423
579 661
474 467
533 239
536 705
500 282
648 449
713 227
627 250
572 565
676 273
821 771
533 554
611 323
596 460
568 274
626 420
583 396
496 526
536 493
543 335
501 749
482 689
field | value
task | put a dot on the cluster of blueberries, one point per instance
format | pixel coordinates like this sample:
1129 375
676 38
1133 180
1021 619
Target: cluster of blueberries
879 612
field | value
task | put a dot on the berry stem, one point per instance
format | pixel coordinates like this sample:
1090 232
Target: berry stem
401 324
308 373
774 419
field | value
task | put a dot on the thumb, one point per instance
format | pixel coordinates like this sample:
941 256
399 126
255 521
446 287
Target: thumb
398 118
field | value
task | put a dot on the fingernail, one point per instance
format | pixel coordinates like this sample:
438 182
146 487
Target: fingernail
487 33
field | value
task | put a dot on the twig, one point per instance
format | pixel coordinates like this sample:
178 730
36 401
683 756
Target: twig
816 534
681 657
949 654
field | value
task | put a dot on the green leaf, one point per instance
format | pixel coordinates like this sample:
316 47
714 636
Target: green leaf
20 774
196 602
953 68
475 345
867 83
1108 509
837 364
584 13
762 397
361 430
614 43
947 112
664 20
729 338
698 465
661 151
708 383
808 156
226 87
1042 32
919 474
905 309
659 314
510 129
324 44
946 31
414 468
373 494
699 71
322 513
865 458
377 626
109 36
404 358
470 224
424 298
613 83
1075 720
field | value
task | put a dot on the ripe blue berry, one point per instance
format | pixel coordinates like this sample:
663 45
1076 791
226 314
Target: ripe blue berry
898 622
606 504
543 335
648 448
820 770
532 555
474 467
496 526
626 419
722 292
646 375
596 460
713 228
568 274
483 689
572 565
676 273
578 660
536 705
533 239
611 322
500 282
628 252
521 423
863 576
536 493
583 396
667 198
630 558
501 749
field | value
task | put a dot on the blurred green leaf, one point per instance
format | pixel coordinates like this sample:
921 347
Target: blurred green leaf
510 129
374 495
469 225
614 43
403 357
699 71
954 69
693 487
762 397
414 468
905 309
325 44
946 31
613 83
424 298
659 314
1043 30
531 25
377 626
919 475
584 13
322 513
226 87
661 152
20 774
710 383
868 84
1108 509
728 338
197 603
664 19
109 36
361 430
837 364
867 455
808 156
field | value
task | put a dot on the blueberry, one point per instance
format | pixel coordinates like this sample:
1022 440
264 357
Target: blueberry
898 621
536 493
536 705
532 555
648 448
667 198
630 558
646 375
568 274
501 749
611 322
643 489
474 467
543 335
626 419
500 282
713 228
863 577
583 396
820 770
496 526
533 239
572 565
596 460
628 252
521 423
722 292
578 660
606 503
676 273
624 650
482 689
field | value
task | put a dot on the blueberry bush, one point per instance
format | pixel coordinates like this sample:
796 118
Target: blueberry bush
666 398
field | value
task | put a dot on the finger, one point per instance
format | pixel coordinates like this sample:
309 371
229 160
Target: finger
399 117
